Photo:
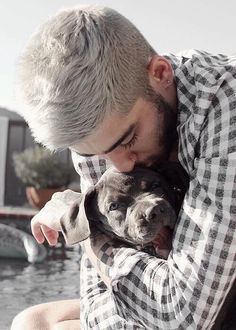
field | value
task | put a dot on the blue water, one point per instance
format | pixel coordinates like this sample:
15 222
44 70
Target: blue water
23 284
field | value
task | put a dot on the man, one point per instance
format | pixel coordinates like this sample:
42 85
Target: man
92 83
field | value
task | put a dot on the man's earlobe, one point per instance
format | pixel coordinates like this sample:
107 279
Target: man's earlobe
157 79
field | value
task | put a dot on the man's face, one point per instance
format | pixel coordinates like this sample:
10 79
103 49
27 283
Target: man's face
142 137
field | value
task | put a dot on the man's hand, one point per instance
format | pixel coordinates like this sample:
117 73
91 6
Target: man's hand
46 223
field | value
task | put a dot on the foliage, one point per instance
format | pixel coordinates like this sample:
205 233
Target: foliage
40 168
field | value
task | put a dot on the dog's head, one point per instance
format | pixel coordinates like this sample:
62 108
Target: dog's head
134 207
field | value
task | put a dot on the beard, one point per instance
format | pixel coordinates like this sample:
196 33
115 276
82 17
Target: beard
166 135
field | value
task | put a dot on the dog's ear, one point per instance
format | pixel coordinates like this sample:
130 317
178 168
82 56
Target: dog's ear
75 224
177 179
175 175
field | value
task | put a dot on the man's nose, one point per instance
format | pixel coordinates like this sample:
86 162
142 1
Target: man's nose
123 162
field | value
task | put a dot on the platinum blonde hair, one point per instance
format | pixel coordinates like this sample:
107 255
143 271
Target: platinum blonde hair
80 65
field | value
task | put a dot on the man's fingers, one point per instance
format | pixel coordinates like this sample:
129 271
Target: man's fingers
40 232
37 232
50 235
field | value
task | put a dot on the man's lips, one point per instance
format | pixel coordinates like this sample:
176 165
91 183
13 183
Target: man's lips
163 240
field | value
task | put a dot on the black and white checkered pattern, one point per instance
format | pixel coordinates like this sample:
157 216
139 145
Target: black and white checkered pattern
187 290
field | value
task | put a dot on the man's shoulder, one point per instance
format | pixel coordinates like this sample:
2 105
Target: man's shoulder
201 59
199 75
201 54
206 84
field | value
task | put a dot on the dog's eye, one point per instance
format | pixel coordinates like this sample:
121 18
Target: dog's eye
113 206
156 184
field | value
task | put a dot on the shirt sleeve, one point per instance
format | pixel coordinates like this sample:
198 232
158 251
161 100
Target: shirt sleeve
188 289
90 169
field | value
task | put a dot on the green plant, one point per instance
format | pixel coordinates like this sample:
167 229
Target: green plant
39 168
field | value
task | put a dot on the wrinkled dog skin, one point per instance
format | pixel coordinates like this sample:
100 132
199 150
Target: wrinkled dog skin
139 207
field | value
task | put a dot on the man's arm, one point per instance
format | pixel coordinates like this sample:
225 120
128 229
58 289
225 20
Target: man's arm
188 289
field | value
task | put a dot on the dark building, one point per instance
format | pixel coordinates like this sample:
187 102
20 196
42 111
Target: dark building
15 136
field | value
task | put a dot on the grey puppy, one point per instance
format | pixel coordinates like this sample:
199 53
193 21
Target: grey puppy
139 208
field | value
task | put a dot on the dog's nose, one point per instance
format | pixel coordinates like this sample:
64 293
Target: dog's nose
154 211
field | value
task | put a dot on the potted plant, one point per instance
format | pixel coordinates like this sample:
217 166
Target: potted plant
42 172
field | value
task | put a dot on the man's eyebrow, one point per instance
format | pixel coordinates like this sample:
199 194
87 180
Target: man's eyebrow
116 144
121 139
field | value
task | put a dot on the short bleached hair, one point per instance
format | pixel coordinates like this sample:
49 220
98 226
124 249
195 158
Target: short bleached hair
81 64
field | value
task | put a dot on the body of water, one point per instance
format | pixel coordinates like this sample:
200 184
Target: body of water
23 284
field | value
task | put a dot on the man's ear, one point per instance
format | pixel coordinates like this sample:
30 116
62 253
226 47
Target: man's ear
160 73
75 224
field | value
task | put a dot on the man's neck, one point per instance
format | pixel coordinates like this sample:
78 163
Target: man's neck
172 97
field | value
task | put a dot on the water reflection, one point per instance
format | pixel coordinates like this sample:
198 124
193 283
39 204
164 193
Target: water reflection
23 284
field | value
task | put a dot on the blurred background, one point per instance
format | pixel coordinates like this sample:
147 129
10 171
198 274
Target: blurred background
170 26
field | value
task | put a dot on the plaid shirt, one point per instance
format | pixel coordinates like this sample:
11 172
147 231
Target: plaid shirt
187 290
